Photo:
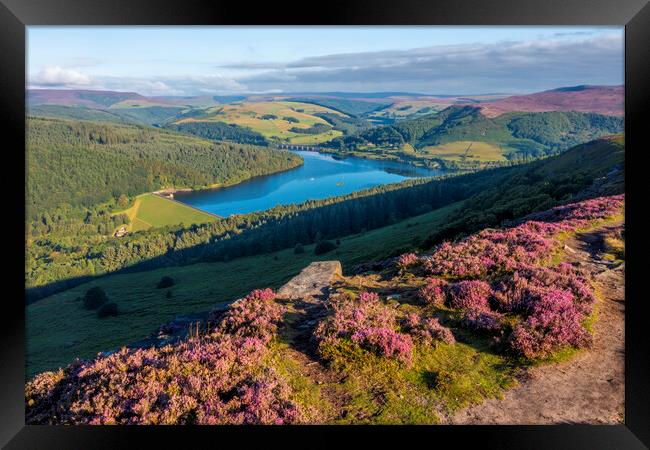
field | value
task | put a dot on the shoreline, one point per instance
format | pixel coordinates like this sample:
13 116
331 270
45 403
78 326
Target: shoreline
172 190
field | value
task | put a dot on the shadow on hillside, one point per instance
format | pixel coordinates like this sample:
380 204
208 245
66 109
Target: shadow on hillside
371 211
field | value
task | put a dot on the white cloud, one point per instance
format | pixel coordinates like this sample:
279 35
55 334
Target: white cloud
60 76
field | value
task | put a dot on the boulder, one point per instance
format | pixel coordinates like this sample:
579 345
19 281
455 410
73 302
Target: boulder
313 281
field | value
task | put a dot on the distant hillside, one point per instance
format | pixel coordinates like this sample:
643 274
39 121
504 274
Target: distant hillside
104 106
91 99
344 105
150 115
607 100
463 137
75 113
200 101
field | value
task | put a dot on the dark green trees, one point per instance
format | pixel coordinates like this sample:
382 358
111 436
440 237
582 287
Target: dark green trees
94 298
324 247
109 309
165 282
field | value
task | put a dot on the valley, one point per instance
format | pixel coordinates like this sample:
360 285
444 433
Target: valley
401 188
459 205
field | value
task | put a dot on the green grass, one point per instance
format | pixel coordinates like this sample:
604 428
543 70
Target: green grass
463 373
306 392
150 210
59 329
443 379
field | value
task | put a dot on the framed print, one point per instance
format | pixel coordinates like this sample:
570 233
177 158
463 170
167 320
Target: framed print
254 222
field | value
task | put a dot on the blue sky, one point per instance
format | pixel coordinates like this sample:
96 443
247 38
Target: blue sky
227 60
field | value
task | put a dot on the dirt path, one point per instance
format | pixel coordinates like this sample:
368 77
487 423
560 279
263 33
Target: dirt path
589 388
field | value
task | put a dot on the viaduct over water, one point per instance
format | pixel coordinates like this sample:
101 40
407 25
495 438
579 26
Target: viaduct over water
299 147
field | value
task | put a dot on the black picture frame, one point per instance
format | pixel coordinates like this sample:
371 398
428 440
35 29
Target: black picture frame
15 15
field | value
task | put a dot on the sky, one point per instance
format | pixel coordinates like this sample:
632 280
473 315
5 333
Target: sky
189 61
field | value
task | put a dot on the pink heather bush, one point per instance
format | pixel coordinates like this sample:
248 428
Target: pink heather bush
263 400
492 252
469 295
553 301
218 379
428 331
554 323
255 315
521 290
488 252
385 342
481 320
406 260
202 382
367 322
434 292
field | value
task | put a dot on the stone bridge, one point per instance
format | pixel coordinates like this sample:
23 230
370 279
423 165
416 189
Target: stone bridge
299 147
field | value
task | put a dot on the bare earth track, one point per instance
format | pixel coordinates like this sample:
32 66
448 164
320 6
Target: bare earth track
588 388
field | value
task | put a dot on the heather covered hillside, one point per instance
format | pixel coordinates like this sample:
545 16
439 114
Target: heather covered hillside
607 100
413 340
87 98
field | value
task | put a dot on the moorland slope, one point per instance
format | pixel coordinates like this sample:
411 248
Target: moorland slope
420 337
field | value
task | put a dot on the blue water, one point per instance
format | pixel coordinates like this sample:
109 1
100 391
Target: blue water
321 176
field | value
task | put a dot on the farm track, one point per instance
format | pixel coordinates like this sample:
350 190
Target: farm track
588 388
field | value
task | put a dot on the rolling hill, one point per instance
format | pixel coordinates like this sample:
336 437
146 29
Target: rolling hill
280 122
76 113
407 342
88 98
108 106
606 100
463 137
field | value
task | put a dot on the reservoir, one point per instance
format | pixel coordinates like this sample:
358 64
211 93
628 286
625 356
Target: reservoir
320 176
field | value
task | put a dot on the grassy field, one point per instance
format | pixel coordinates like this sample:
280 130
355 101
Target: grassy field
249 114
150 210
467 151
54 338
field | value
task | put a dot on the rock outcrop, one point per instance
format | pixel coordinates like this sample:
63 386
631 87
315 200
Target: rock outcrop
313 281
